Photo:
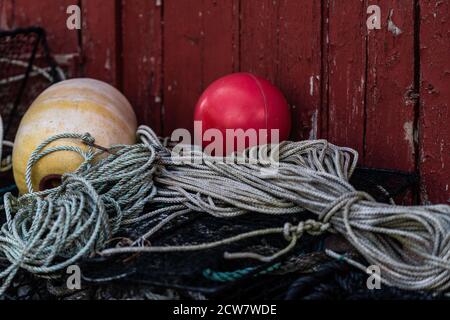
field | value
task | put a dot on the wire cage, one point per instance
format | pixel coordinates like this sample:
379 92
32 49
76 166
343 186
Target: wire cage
26 69
305 273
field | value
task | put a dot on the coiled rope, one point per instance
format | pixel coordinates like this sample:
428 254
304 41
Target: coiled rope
47 231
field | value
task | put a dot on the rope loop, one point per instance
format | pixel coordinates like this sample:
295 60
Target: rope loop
41 151
346 200
87 138
312 227
47 231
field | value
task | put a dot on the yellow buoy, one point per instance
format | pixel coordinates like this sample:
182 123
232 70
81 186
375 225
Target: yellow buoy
76 106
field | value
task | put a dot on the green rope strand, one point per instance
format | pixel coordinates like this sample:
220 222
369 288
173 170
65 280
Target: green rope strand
47 231
227 276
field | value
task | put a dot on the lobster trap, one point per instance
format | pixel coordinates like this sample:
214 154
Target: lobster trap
26 69
305 273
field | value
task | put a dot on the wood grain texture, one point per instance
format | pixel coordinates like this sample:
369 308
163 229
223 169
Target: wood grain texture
299 71
101 40
277 43
142 59
198 48
390 96
259 36
6 14
220 45
435 101
346 61
384 92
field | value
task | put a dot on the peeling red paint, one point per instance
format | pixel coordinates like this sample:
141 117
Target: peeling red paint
357 88
142 59
435 101
101 40
52 16
389 117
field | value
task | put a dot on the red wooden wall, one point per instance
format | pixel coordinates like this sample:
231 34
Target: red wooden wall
383 92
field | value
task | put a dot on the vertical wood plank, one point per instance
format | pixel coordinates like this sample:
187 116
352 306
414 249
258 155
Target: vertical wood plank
324 79
142 59
52 16
6 14
435 101
390 110
347 72
259 34
101 40
220 23
182 62
299 71
198 47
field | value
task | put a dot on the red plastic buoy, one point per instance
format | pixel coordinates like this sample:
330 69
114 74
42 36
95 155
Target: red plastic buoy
243 101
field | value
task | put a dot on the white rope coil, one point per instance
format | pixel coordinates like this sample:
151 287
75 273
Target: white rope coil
410 244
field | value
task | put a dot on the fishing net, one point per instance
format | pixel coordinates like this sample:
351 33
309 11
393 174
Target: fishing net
307 272
26 69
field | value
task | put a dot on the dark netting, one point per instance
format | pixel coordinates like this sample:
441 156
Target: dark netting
305 273
26 69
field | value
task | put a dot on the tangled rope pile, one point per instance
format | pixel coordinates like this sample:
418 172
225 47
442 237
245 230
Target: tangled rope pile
47 231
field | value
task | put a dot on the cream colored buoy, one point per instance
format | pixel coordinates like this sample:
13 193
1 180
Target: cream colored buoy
78 106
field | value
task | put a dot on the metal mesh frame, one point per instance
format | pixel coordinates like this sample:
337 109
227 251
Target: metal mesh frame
20 49
144 275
